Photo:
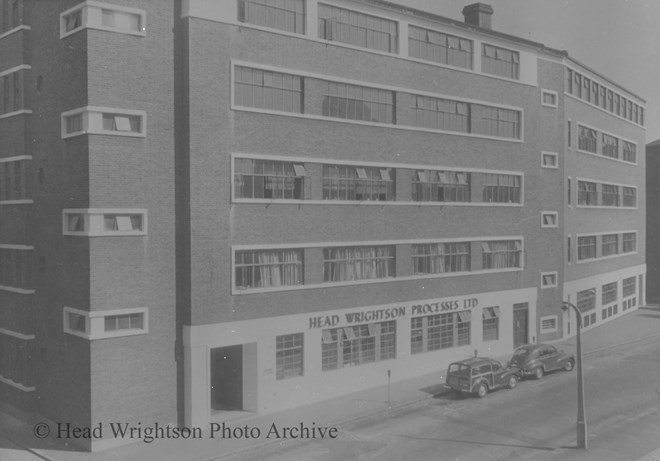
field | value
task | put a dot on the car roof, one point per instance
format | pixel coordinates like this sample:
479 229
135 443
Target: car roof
475 361
531 347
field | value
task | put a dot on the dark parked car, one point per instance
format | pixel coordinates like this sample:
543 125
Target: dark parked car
478 375
538 359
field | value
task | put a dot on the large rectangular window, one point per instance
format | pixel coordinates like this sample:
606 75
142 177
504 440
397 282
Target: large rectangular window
586 300
491 323
586 247
267 90
500 61
441 331
15 355
352 102
268 268
501 254
357 183
15 267
439 47
501 188
441 186
629 152
629 242
287 15
289 356
358 345
441 114
358 29
628 287
501 123
609 293
268 179
587 139
610 195
358 263
610 244
439 258
610 147
587 193
13 179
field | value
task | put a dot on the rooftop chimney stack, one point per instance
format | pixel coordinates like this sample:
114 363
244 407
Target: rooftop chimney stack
478 14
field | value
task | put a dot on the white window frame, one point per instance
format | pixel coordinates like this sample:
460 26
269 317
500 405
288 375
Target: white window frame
92 18
92 121
95 323
554 94
94 225
554 274
548 330
549 213
553 155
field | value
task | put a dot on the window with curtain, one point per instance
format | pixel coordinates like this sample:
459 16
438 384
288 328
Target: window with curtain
629 242
587 139
629 152
587 194
586 247
268 268
610 146
610 195
609 245
438 258
353 102
490 318
358 345
501 254
358 263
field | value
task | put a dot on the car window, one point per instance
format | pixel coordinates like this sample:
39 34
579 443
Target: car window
520 352
484 369
496 366
552 349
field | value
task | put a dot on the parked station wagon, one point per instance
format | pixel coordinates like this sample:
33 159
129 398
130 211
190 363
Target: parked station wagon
538 359
479 375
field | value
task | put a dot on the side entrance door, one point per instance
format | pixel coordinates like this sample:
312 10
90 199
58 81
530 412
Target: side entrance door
520 321
227 378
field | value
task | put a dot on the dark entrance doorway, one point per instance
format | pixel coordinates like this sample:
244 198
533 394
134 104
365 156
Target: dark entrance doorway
520 321
227 378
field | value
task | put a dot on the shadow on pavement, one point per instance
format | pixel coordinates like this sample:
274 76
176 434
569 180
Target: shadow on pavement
476 442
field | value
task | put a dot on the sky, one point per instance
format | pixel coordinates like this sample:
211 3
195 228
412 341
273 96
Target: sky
620 39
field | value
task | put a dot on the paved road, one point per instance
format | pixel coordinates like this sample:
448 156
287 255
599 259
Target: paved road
535 421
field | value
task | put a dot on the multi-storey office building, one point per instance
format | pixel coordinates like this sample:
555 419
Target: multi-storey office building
652 218
336 192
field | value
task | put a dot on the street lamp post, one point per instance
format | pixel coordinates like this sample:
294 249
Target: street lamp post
581 415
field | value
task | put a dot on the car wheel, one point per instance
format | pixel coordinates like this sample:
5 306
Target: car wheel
513 382
568 366
482 390
539 372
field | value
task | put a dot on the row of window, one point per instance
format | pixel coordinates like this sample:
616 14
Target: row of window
595 93
605 195
11 94
11 15
275 179
363 30
286 267
605 144
13 179
102 16
374 342
610 245
586 300
276 91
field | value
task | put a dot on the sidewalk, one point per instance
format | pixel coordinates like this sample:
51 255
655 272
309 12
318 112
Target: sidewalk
326 414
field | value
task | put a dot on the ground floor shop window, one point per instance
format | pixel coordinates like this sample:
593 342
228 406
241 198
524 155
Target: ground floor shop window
357 345
440 331
491 323
289 355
